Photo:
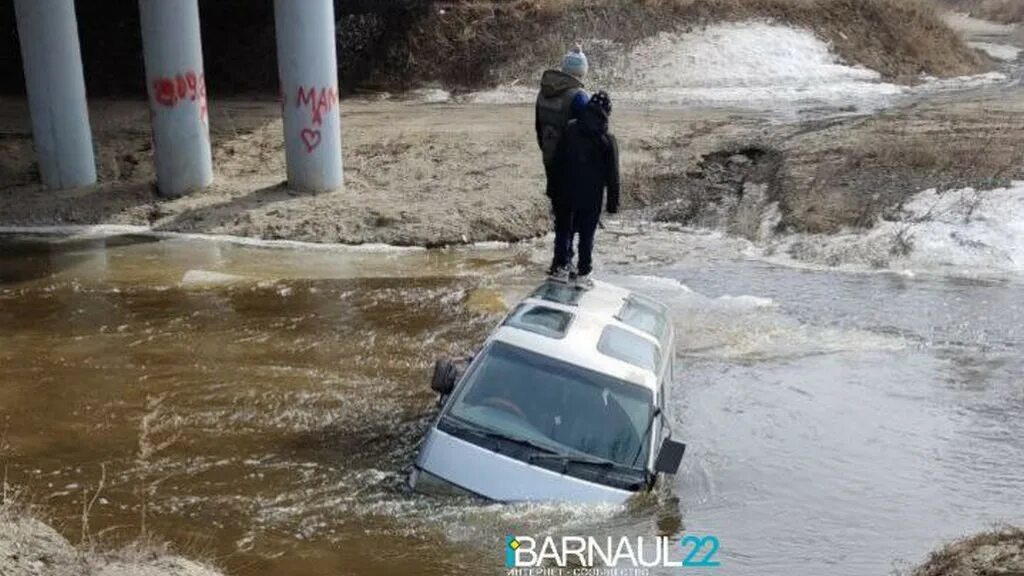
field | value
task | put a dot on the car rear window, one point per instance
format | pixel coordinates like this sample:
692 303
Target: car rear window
541 320
624 345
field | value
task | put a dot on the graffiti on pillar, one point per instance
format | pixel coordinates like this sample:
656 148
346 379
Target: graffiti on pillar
318 102
188 87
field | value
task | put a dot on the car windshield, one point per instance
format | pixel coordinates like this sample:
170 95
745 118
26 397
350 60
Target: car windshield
565 408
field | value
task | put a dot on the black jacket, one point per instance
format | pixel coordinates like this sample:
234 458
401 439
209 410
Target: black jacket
587 163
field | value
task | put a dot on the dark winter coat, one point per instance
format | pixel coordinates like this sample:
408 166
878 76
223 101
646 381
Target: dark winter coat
586 165
561 98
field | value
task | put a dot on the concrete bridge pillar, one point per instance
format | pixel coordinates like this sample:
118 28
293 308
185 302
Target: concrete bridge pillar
52 60
308 66
173 52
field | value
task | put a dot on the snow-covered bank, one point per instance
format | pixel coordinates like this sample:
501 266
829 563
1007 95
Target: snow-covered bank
960 232
751 63
757 65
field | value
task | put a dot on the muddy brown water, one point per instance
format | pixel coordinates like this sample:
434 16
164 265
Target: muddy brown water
261 406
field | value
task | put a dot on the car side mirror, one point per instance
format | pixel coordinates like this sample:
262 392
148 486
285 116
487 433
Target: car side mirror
447 372
670 456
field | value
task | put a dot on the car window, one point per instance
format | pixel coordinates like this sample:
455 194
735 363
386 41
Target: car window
541 320
567 408
627 346
644 317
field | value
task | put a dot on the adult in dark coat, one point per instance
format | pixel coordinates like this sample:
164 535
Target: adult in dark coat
586 166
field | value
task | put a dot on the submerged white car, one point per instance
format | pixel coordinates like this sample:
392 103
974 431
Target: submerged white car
564 402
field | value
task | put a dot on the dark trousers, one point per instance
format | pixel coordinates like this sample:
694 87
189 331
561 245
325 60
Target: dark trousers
570 223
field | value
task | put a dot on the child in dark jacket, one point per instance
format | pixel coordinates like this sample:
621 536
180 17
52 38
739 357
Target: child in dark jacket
587 164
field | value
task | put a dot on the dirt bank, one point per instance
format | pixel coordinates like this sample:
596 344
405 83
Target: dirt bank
416 174
29 547
848 173
999 552
449 174
500 43
835 174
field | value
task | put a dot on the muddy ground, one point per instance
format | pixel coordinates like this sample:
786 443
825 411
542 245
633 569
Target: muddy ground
425 174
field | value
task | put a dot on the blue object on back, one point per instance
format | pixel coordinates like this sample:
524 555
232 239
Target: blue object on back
579 102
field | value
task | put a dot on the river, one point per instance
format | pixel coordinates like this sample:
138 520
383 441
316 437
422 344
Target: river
260 405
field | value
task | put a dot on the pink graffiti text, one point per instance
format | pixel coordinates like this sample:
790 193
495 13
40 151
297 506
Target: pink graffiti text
319 102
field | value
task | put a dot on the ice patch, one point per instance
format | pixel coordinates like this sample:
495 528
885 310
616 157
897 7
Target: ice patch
77 231
206 278
74 231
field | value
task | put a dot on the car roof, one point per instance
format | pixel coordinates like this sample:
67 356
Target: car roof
592 312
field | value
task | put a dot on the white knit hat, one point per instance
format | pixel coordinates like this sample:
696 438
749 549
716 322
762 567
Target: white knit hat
575 62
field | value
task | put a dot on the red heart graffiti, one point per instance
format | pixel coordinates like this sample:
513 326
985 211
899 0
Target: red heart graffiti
311 138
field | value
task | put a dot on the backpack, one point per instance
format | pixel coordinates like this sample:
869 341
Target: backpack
553 115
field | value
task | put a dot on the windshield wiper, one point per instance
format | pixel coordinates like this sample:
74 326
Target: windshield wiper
479 431
646 436
570 459
567 459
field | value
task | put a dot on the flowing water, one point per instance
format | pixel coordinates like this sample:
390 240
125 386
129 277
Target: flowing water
261 405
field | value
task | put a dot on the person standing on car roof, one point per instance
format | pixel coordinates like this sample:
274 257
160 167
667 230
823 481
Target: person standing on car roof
586 164
561 99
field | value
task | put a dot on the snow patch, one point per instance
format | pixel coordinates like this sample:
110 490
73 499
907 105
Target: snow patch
960 232
969 228
971 26
752 64
998 51
748 62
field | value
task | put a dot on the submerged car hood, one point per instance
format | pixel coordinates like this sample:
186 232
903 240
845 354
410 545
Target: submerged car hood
497 477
